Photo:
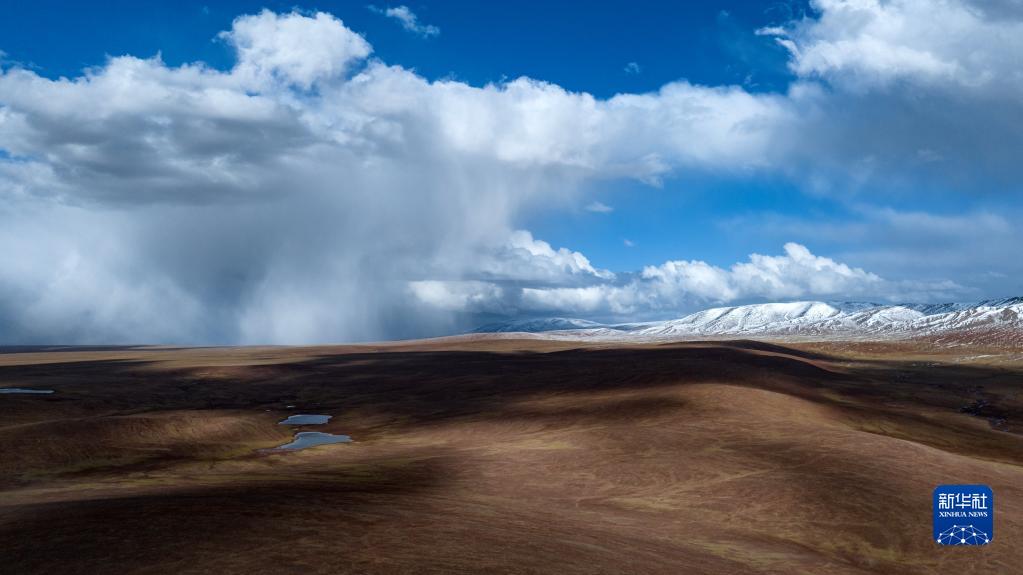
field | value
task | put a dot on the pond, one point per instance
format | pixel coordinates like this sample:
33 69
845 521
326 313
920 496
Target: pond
304 439
306 419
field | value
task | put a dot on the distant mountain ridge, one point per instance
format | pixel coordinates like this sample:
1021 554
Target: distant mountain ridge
994 321
538 325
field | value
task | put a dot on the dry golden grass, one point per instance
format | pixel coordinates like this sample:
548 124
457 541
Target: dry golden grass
497 455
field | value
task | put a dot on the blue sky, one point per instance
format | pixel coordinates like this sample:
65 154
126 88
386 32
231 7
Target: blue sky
583 46
711 135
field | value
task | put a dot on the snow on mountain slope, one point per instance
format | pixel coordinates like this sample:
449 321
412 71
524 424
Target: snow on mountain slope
539 325
746 319
999 319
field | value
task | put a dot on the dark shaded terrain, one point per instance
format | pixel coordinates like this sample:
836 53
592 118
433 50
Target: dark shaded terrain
506 456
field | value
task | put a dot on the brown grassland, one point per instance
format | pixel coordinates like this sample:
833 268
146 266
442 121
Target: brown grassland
499 455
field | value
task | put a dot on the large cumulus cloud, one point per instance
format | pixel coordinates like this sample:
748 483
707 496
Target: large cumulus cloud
314 193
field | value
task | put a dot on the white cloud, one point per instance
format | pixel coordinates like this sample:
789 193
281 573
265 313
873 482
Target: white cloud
520 258
564 260
408 20
577 300
771 31
677 287
462 296
632 68
796 274
871 42
599 207
293 48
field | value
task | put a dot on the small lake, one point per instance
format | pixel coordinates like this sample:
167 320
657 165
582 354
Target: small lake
304 439
306 419
24 390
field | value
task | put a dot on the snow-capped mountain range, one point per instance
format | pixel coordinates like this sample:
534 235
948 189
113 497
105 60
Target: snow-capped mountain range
993 321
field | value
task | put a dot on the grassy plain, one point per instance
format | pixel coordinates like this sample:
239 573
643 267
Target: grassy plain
502 455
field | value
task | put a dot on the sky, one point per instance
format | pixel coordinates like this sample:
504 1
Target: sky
243 173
